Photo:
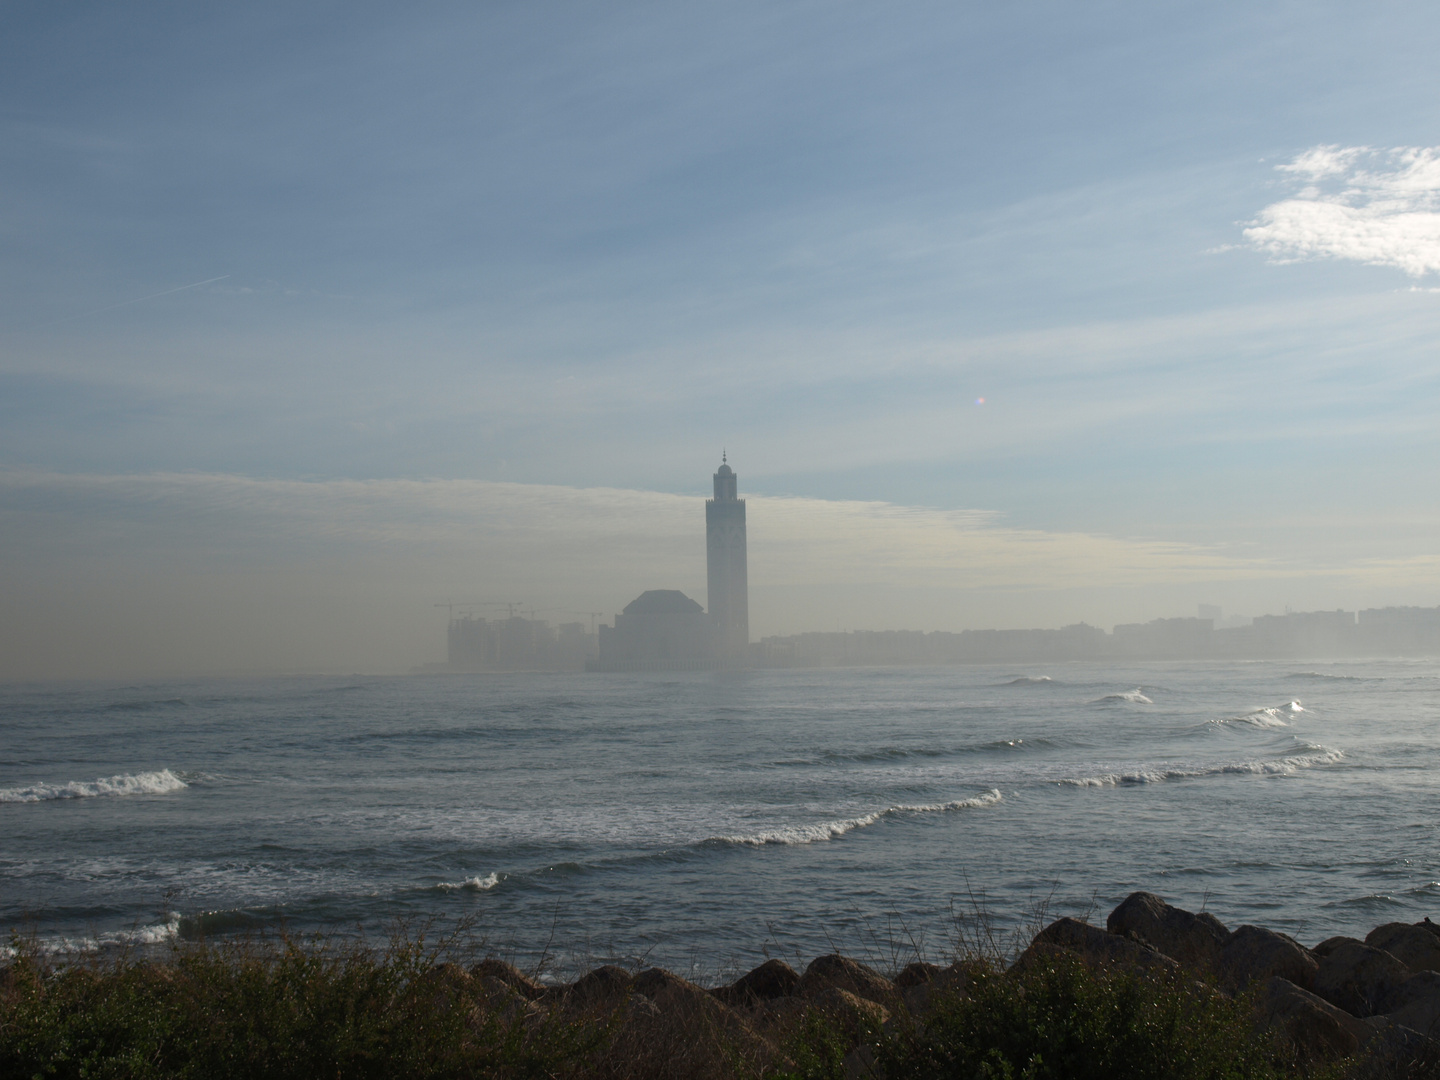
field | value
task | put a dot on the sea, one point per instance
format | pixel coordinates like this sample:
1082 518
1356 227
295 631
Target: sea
706 821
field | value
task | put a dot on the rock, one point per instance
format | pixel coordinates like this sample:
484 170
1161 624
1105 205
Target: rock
1194 940
1399 1051
510 975
1330 944
1426 924
915 974
1415 1003
603 990
772 979
1317 1028
842 973
852 1014
778 1018
950 981
1414 946
1254 954
671 1028
1095 948
1359 979
446 985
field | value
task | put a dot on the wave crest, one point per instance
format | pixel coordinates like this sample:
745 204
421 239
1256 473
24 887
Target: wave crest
831 830
1286 766
145 783
1273 717
1134 697
471 884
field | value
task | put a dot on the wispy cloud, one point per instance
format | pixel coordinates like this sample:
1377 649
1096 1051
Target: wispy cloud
1379 207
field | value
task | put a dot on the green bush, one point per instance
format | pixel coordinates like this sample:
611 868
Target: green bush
275 1010
1059 1021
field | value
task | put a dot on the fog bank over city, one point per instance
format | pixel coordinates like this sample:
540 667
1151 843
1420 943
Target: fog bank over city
167 573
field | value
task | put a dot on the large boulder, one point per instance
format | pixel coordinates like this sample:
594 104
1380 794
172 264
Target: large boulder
1415 1003
842 973
1195 940
510 975
671 1028
1359 979
605 989
772 979
1095 948
919 993
916 973
1316 1028
1254 954
1330 944
1414 946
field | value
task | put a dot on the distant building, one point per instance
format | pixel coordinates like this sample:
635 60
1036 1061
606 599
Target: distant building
660 630
664 630
726 576
515 644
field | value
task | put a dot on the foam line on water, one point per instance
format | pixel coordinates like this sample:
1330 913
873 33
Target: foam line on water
1286 766
146 783
831 830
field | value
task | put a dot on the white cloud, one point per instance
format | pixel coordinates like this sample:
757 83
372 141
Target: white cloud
1379 207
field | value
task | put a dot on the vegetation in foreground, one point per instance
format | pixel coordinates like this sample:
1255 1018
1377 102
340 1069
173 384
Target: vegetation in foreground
285 1008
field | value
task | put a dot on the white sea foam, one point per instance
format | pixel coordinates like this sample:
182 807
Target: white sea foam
156 934
830 830
471 884
1273 717
1026 680
1135 697
145 783
1286 766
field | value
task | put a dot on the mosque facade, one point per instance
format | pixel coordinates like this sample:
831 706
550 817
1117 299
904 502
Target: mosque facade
665 630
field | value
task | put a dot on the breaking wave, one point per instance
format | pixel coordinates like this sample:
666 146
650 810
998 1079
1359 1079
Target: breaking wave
145 783
60 945
1027 680
470 884
831 830
1267 718
1286 766
1135 697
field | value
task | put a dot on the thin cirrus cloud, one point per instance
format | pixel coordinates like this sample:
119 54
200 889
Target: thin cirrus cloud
1378 207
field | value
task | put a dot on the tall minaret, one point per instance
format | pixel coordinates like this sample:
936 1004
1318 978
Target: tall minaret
725 562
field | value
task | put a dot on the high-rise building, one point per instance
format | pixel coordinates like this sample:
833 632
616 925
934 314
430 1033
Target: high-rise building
725 566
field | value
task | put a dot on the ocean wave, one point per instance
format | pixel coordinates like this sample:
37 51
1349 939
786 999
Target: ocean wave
1330 678
1134 697
158 934
1286 766
145 783
1273 717
1028 680
831 830
470 884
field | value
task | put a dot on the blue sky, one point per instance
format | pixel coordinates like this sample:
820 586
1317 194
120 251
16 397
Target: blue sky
577 246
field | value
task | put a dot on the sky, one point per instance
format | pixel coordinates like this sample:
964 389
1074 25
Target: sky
314 316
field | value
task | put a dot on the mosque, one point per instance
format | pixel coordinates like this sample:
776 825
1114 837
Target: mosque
665 630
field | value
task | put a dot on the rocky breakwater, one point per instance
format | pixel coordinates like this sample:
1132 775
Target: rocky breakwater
1380 996
1372 1001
